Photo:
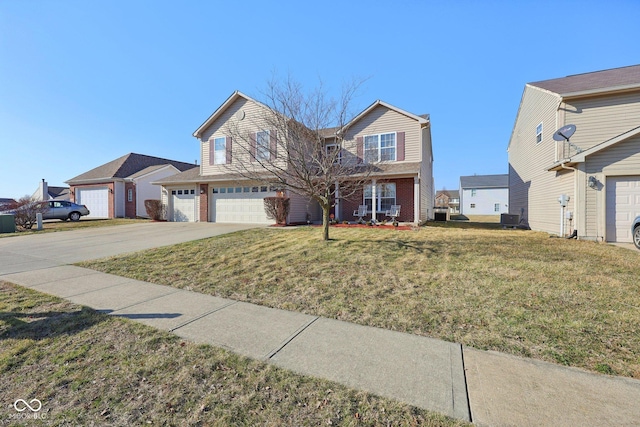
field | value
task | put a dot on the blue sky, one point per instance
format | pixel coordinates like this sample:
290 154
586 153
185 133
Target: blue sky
85 82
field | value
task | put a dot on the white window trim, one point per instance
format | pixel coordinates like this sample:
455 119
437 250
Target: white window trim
263 152
378 193
337 147
539 133
379 148
130 195
223 159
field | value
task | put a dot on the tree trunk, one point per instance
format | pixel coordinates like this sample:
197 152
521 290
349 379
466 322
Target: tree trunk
325 221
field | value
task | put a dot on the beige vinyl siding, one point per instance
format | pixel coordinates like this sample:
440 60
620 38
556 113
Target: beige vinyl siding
252 122
383 120
300 206
618 160
599 119
426 177
532 189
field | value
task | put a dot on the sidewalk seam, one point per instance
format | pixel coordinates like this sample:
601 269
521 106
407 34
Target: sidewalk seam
466 385
202 315
139 302
291 338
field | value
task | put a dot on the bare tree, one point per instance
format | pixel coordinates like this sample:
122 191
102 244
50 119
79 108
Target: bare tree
301 145
25 211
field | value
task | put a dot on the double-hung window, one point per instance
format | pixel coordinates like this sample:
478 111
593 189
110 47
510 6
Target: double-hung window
262 145
334 152
220 151
385 197
380 148
539 133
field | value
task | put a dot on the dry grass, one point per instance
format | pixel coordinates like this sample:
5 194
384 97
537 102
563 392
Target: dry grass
53 225
571 302
91 369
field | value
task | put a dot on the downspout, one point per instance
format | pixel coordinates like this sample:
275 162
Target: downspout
575 199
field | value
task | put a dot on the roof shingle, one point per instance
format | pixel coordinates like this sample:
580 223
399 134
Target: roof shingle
616 77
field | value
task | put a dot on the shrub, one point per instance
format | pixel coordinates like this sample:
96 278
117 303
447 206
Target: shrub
25 210
277 208
155 209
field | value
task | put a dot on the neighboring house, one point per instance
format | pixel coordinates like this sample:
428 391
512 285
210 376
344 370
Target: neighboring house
212 193
598 168
484 194
5 201
449 199
46 192
119 188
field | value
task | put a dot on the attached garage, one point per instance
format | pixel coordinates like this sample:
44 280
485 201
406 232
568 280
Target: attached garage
183 205
96 199
240 205
622 205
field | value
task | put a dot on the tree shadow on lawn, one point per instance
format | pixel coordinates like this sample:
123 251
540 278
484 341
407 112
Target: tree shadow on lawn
41 325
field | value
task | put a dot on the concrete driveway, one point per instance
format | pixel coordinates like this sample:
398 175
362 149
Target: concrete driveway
36 251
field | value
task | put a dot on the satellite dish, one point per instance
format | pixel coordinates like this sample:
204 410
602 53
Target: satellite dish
564 133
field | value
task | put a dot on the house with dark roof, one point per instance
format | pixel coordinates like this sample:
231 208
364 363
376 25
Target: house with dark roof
396 142
484 194
449 200
119 188
47 192
584 180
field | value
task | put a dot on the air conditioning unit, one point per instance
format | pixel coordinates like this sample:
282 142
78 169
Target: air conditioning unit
509 220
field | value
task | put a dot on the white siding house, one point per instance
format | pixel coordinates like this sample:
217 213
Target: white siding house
484 194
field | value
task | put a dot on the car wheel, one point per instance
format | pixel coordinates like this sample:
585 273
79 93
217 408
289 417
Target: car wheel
636 236
74 216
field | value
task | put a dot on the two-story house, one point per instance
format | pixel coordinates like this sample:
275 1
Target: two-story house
449 200
597 168
396 141
484 194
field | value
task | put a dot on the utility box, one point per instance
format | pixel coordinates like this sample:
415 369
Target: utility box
508 220
7 223
440 216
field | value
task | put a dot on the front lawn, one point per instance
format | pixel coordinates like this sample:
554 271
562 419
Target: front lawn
88 368
571 302
52 225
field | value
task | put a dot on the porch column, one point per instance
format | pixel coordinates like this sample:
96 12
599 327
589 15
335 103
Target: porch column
337 199
416 199
374 201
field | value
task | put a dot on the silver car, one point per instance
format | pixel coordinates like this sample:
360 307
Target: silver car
60 209
635 231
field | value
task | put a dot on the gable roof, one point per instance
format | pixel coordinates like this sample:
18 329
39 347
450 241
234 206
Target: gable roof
485 181
234 96
126 166
422 119
56 192
611 80
452 194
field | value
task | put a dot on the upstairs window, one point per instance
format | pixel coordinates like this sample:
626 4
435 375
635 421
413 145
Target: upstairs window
220 151
262 145
333 151
380 148
473 192
539 133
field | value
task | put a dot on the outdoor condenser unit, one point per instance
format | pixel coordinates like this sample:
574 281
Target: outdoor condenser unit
509 220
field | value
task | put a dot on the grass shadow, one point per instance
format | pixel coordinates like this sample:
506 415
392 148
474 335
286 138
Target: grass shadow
50 324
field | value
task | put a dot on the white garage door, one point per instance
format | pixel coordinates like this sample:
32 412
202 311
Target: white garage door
183 205
95 199
623 205
240 204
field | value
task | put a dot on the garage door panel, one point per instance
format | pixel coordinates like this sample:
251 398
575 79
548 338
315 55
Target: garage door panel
623 205
95 199
183 205
244 207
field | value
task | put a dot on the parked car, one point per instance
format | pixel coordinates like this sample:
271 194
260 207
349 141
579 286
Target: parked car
63 210
635 231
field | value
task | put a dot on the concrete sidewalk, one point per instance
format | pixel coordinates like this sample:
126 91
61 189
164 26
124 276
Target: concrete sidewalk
488 388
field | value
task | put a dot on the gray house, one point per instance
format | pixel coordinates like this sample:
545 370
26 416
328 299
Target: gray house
597 170
484 194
